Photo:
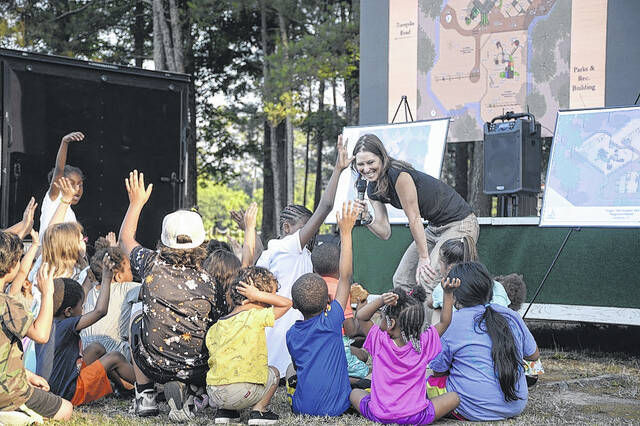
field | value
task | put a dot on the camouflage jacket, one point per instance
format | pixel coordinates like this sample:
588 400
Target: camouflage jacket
15 320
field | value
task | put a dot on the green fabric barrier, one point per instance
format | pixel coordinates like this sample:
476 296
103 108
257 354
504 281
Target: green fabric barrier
598 266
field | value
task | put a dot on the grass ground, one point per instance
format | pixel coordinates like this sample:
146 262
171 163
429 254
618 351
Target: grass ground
580 386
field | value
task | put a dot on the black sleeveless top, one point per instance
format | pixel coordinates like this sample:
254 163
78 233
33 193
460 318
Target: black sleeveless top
438 202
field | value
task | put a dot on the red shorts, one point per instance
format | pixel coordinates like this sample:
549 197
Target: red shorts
92 383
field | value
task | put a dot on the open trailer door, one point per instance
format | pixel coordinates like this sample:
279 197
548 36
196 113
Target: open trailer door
131 118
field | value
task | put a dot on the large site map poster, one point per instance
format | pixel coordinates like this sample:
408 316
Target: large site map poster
594 169
478 59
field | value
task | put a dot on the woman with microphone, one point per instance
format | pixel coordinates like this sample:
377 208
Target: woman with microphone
421 197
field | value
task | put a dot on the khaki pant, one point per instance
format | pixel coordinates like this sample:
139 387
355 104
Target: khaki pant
238 396
405 275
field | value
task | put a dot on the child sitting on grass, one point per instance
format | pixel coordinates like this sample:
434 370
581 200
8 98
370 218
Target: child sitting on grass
88 380
516 289
315 344
289 257
109 331
482 350
455 251
19 387
401 352
178 307
239 376
326 262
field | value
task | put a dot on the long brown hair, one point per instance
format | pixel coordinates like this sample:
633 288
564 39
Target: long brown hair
61 248
371 143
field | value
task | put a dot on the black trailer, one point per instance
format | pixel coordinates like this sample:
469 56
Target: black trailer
132 119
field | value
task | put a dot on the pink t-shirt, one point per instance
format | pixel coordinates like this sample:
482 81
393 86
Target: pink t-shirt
398 384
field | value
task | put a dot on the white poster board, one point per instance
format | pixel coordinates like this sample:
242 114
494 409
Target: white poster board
593 177
420 143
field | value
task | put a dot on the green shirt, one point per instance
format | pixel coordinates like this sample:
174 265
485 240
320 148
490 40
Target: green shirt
16 320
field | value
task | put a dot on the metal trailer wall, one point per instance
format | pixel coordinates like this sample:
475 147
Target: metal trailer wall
131 118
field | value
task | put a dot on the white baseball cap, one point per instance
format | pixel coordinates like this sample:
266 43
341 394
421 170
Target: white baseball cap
182 222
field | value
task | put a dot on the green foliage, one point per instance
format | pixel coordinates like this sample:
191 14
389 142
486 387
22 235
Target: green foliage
215 202
226 136
95 30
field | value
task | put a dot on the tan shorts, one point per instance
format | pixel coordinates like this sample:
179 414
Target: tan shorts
238 396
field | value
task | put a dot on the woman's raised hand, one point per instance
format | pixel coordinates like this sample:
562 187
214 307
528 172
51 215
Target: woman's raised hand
138 195
342 159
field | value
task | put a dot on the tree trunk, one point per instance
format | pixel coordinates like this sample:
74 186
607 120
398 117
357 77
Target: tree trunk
158 11
138 34
462 168
268 209
159 61
289 161
273 200
480 202
306 151
275 167
176 32
190 68
319 143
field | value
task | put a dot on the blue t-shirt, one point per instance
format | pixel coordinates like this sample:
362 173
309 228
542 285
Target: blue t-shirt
62 351
317 351
466 353
499 296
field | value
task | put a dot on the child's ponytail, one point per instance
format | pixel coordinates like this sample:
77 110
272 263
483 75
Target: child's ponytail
476 288
459 250
506 361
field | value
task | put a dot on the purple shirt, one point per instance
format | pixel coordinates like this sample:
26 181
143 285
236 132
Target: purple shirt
466 353
398 384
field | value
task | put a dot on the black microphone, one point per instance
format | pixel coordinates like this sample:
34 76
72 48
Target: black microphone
361 188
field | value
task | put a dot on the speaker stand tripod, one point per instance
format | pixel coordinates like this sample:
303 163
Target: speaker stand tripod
407 110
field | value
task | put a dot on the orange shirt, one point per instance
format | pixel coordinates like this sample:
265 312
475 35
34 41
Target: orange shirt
332 286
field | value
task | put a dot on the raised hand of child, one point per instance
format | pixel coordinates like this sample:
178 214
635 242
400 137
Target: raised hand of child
347 218
27 217
45 278
250 216
108 265
389 298
342 159
111 238
448 285
138 195
65 186
73 137
248 290
238 217
35 237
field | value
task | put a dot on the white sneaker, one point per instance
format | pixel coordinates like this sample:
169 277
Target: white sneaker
145 403
179 401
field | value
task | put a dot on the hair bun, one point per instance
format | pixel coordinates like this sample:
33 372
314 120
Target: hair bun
101 243
418 292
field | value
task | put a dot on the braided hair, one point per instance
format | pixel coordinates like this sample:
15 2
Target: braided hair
476 288
292 214
409 314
